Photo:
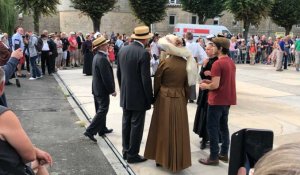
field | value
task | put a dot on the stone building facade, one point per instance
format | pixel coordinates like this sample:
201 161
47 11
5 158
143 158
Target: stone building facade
122 20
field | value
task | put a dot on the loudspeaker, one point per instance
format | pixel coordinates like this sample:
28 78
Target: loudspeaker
247 147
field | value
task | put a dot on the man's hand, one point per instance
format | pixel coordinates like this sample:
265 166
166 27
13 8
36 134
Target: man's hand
17 54
114 94
203 86
43 157
206 81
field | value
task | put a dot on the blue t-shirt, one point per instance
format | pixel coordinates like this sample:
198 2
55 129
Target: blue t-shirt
17 41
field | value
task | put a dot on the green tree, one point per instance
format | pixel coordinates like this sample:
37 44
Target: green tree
37 8
95 9
286 14
249 11
7 15
204 9
149 11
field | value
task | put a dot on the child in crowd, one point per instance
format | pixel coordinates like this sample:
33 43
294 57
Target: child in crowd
252 52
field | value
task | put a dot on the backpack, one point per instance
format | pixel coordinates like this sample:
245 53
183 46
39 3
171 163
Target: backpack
39 45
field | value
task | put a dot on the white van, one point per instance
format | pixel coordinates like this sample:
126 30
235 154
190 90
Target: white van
199 30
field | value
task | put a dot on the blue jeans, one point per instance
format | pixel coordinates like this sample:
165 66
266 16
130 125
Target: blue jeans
217 121
35 72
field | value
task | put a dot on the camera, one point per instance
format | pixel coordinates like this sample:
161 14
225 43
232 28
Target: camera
26 36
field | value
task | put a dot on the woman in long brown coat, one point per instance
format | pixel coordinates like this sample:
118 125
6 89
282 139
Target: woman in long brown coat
168 140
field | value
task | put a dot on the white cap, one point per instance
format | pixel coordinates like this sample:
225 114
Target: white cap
72 33
210 36
96 34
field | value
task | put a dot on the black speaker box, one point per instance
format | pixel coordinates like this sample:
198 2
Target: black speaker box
247 147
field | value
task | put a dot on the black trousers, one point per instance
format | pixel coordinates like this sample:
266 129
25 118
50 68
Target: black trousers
98 124
27 63
52 63
132 132
45 60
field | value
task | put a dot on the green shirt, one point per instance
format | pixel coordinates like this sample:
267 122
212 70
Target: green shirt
297 45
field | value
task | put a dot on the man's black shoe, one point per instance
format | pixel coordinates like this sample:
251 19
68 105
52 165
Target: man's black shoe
8 83
203 145
90 136
124 156
137 159
106 131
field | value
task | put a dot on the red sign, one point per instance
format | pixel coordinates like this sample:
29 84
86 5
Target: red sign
176 30
196 31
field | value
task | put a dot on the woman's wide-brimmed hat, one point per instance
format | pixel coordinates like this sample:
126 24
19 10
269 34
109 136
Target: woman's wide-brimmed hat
141 32
99 42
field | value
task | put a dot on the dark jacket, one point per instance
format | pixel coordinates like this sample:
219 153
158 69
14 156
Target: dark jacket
103 78
9 69
52 47
134 78
79 41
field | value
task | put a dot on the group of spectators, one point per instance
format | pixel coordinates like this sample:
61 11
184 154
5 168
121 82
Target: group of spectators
281 52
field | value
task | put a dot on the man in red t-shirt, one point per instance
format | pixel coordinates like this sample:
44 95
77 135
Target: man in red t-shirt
222 94
72 49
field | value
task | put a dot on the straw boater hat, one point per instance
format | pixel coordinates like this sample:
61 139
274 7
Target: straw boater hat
141 32
99 42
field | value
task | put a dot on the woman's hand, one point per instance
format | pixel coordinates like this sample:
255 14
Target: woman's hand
207 73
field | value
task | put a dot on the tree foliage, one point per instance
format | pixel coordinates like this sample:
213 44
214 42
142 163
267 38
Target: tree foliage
149 11
249 11
95 9
286 14
37 8
205 9
7 15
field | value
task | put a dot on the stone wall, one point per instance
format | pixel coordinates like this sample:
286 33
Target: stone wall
121 20
51 23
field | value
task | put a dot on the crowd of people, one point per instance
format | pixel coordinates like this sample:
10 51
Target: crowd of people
281 52
174 62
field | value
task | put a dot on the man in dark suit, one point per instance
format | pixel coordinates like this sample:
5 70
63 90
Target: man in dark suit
103 85
136 94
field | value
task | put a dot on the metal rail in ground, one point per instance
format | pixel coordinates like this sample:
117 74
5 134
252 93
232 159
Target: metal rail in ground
106 139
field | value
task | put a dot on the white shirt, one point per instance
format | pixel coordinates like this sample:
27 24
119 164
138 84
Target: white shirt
58 43
45 46
197 51
154 49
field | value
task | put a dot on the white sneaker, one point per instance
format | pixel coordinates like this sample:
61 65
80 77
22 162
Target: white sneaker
39 77
31 78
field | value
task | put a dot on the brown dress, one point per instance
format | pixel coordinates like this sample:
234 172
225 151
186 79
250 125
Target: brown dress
168 140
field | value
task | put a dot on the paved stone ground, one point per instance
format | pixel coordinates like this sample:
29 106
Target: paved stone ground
266 99
48 119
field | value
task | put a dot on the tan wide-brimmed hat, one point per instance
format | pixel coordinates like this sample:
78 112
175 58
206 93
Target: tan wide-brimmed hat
99 42
141 32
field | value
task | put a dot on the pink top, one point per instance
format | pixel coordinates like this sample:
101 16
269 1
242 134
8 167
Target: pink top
232 46
73 43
